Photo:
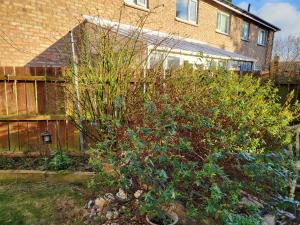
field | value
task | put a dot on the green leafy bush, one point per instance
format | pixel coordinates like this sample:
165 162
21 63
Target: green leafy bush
203 138
206 146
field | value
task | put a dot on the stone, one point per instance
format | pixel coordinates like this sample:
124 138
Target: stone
93 213
109 197
250 200
90 204
100 203
180 210
268 220
138 193
109 215
121 195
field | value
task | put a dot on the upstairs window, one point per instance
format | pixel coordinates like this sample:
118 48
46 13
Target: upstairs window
261 40
142 3
245 31
223 23
187 10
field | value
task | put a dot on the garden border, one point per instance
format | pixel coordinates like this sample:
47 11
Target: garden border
36 154
65 177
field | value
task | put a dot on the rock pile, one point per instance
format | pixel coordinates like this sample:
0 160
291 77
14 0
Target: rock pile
107 209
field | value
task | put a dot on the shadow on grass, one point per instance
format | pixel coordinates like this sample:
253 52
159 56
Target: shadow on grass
43 204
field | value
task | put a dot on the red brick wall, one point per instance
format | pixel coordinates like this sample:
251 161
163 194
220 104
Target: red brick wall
33 32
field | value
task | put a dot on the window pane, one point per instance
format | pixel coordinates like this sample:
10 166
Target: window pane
261 37
246 66
219 21
182 9
245 31
141 2
223 23
156 59
193 11
173 62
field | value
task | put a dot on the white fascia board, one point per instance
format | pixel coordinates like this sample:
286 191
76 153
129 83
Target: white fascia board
243 14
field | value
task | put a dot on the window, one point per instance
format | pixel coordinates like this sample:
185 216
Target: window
223 21
245 31
187 10
261 37
142 3
173 62
246 66
242 66
156 60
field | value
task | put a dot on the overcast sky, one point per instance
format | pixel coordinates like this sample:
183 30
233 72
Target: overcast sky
283 13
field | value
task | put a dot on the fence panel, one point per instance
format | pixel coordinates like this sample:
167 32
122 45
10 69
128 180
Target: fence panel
32 100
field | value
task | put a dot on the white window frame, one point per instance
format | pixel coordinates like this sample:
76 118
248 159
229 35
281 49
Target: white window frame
189 12
229 21
264 37
242 33
137 3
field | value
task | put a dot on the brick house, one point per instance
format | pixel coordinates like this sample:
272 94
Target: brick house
31 31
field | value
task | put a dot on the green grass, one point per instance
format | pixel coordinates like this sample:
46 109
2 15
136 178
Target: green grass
40 204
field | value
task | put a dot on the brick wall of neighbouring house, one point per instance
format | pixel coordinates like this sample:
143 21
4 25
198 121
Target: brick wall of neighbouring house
35 32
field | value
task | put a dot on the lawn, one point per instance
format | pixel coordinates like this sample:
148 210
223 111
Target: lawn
41 204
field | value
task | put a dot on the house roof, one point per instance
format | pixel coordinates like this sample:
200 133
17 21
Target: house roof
168 42
245 13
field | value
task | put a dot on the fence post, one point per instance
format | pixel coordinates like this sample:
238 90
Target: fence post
275 66
75 62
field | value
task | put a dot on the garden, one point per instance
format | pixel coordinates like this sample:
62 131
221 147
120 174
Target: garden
186 145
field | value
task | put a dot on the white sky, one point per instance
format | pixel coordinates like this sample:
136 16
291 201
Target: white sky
282 14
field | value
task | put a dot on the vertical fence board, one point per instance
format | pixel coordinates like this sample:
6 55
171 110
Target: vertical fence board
4 138
33 136
21 93
14 136
30 98
11 97
73 137
51 95
60 98
62 135
23 136
2 99
52 130
41 98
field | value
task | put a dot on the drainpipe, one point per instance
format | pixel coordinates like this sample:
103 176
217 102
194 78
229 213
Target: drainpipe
75 74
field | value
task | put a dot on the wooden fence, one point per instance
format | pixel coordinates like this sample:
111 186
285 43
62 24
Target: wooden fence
32 100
